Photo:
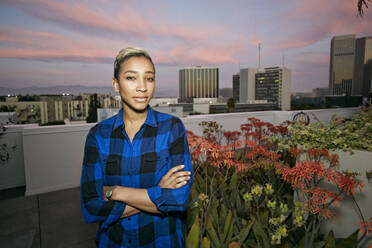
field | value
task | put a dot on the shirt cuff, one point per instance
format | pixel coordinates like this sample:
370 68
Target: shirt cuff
116 212
155 195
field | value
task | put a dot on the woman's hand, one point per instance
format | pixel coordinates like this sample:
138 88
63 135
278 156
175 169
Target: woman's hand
175 178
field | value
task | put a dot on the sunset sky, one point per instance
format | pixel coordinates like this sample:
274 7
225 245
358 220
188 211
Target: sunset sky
48 43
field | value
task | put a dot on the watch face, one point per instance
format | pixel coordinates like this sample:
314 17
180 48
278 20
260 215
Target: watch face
109 194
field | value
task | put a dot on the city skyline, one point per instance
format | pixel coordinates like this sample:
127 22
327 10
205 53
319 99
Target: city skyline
47 43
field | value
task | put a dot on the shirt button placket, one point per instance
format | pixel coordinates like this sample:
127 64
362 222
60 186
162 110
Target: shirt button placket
131 166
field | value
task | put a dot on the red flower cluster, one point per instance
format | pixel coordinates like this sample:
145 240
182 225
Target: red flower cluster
231 136
311 175
256 150
315 168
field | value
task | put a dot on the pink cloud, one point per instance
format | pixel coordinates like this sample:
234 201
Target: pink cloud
322 20
28 44
53 47
81 18
312 58
186 56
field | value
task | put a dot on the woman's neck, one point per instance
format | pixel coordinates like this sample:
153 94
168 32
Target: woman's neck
132 117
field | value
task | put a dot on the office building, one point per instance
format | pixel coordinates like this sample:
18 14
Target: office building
350 65
363 67
247 85
274 85
236 87
341 70
198 82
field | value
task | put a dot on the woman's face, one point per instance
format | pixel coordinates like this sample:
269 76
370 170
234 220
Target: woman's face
136 83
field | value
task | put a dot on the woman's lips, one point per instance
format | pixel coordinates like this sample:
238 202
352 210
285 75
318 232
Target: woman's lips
140 99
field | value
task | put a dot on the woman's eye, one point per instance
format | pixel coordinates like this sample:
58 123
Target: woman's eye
151 79
130 78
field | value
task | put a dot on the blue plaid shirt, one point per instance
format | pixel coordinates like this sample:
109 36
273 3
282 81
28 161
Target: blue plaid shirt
111 159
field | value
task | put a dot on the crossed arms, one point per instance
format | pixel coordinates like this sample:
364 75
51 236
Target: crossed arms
170 194
138 200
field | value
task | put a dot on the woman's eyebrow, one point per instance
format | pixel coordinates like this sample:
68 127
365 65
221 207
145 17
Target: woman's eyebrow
130 71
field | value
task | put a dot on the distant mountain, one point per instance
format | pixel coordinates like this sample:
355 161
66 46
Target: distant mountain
75 90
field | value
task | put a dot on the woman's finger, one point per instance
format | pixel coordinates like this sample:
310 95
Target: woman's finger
173 170
181 174
181 179
179 185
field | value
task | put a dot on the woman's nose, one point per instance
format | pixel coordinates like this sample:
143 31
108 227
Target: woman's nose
141 86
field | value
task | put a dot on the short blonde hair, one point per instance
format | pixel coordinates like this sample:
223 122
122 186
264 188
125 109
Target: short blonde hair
127 53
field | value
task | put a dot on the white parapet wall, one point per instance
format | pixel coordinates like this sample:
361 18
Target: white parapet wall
53 155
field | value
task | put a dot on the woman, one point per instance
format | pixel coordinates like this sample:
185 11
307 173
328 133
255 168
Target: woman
137 174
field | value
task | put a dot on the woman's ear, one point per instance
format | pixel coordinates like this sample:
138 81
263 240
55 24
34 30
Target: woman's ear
115 84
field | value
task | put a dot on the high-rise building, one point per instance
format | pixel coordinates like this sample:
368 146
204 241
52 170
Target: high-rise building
350 65
363 67
236 86
247 84
274 85
198 82
341 69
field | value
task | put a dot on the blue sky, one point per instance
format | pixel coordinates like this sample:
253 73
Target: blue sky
47 43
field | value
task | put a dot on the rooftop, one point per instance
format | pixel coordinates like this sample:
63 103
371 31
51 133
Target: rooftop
44 220
44 211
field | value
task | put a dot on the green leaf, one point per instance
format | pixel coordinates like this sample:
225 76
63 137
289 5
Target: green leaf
194 192
222 218
234 181
260 234
244 233
206 243
191 214
212 232
350 241
230 233
213 210
331 243
238 204
193 236
227 226
265 218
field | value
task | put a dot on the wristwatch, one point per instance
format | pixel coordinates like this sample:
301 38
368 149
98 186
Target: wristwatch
109 193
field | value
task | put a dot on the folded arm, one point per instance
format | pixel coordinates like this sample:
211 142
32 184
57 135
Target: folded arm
94 207
137 200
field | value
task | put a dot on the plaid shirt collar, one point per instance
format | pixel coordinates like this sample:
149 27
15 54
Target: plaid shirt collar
150 119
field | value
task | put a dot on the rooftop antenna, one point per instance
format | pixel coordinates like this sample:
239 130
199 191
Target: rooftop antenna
259 55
